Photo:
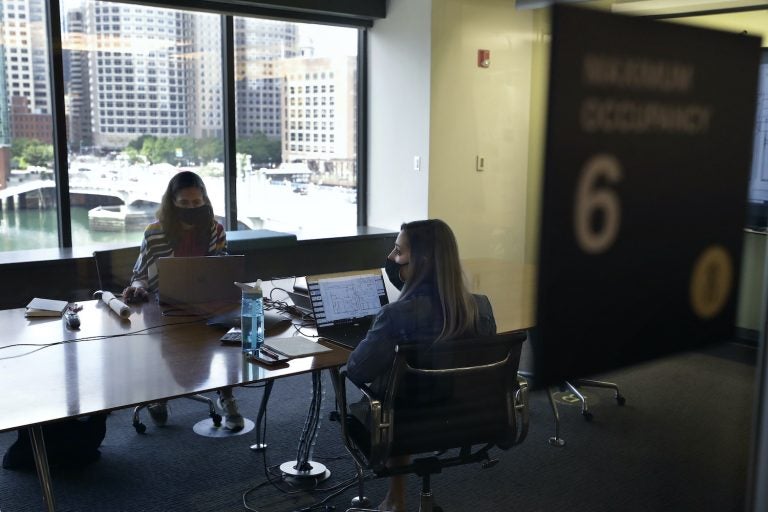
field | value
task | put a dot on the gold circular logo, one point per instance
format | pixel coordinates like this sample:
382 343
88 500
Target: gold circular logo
711 282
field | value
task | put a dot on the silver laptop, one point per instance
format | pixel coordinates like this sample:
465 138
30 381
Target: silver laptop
345 304
199 281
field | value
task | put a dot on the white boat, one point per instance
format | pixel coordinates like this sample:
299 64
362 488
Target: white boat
119 218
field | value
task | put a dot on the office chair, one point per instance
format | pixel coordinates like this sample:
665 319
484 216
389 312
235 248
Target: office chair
114 269
446 404
556 440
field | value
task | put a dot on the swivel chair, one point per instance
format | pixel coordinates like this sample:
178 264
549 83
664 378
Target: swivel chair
114 269
574 385
446 404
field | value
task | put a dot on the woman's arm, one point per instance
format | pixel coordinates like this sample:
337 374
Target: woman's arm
374 355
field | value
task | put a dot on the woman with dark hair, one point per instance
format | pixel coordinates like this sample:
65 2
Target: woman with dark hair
434 305
185 226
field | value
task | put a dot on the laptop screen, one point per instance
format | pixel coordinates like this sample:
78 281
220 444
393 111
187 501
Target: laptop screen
344 298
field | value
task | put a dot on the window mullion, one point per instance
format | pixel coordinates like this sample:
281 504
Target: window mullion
56 92
228 118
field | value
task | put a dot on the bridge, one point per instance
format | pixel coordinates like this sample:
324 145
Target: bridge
41 193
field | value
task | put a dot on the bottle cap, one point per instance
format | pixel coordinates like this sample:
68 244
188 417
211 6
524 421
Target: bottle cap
250 287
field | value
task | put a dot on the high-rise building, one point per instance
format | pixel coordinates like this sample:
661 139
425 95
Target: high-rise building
79 131
26 55
319 115
138 72
205 98
5 118
260 47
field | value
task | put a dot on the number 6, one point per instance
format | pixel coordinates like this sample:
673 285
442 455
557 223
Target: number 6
590 200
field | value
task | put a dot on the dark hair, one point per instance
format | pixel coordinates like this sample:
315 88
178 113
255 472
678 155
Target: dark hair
166 214
435 259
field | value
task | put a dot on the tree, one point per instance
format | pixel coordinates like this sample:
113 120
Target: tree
209 150
159 150
18 145
262 149
37 154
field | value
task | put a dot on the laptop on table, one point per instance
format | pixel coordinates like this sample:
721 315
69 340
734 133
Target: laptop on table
345 304
200 284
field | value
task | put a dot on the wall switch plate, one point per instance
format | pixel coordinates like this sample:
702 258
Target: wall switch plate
479 163
416 163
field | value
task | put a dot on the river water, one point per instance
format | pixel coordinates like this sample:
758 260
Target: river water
37 229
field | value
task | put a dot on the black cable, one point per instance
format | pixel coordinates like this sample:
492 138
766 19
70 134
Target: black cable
41 346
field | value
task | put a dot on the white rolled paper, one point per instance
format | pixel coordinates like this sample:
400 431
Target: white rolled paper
116 304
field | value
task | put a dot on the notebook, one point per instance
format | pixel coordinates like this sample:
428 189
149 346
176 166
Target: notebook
45 307
345 304
202 284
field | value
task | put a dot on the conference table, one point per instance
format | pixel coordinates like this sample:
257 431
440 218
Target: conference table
49 372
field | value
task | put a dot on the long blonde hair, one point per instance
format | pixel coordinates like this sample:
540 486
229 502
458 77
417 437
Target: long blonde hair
435 259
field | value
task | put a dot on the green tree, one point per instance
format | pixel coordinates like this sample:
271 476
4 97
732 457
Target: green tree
138 142
19 144
209 150
262 149
37 154
159 150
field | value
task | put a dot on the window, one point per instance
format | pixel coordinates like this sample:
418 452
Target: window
117 176
138 109
29 218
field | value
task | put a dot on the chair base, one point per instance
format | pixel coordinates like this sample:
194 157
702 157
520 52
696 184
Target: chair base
558 441
216 417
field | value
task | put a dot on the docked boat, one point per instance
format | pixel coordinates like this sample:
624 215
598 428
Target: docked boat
119 218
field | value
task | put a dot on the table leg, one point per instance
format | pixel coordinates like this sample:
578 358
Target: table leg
41 463
261 442
303 468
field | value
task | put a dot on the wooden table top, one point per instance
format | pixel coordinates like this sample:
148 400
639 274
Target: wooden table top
112 363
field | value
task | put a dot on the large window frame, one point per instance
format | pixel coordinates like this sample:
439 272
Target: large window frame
361 20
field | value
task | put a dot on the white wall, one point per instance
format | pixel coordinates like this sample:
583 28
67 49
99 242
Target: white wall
398 116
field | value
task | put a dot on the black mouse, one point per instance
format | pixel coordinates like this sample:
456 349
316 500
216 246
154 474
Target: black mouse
72 319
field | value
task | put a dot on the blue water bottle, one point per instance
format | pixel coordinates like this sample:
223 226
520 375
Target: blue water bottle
252 318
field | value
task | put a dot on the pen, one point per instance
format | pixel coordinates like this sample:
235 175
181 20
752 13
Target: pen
268 353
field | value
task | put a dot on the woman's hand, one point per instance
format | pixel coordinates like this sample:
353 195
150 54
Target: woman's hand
135 294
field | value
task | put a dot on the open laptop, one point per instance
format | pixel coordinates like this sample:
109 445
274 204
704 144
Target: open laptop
200 284
345 304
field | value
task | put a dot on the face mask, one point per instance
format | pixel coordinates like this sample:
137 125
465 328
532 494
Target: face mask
393 273
200 216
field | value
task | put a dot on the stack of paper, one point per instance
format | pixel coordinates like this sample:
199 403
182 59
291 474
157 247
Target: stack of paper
45 307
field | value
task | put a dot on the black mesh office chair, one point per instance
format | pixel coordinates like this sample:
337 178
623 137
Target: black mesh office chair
446 404
114 269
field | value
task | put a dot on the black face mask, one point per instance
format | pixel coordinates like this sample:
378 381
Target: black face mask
393 273
200 216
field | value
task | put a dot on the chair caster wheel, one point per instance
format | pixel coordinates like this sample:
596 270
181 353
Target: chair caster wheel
216 420
587 415
140 428
620 400
334 416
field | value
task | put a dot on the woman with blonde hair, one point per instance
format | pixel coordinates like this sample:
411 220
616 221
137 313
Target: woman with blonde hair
434 305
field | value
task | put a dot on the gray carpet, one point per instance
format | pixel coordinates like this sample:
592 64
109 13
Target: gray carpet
680 443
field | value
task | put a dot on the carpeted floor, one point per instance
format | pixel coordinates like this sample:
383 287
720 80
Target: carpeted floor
679 444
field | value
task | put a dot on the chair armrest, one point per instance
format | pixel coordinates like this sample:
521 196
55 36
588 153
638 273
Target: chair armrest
522 409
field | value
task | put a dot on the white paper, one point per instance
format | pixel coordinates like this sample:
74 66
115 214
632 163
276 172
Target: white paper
115 304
